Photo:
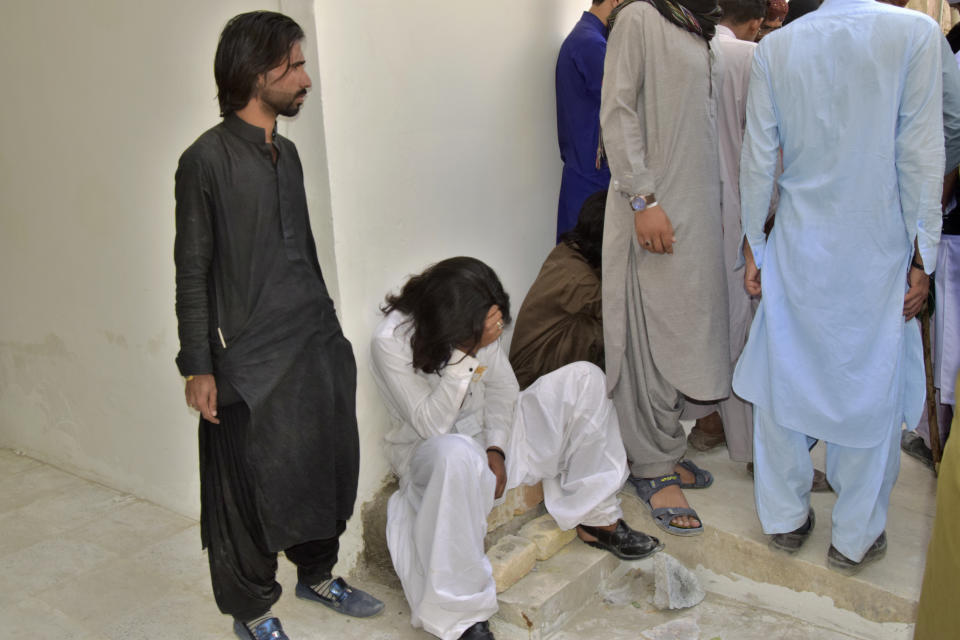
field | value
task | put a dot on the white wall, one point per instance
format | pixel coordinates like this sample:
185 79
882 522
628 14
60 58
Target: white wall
100 97
441 141
430 133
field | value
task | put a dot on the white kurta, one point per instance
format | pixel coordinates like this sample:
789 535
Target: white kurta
829 353
562 431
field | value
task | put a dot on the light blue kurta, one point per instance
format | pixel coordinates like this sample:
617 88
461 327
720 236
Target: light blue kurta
852 94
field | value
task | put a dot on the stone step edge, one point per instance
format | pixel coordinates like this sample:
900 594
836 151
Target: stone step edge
514 556
735 556
518 500
545 599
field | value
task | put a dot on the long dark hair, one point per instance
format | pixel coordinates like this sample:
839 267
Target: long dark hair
448 304
251 44
587 236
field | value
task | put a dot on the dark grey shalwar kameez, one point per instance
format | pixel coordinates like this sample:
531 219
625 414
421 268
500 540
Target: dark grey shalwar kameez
280 470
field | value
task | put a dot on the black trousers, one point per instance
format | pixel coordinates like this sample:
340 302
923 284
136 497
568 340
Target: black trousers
242 569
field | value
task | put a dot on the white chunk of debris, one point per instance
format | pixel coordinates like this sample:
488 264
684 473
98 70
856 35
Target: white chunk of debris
676 586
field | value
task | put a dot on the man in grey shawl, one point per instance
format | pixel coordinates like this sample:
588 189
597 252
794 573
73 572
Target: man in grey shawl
664 287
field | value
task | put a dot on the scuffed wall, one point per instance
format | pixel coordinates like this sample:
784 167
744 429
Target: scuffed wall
430 133
441 141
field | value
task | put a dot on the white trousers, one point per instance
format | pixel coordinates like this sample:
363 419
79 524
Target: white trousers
862 478
565 434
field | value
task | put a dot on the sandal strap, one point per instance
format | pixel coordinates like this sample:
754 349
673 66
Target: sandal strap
669 513
646 487
693 468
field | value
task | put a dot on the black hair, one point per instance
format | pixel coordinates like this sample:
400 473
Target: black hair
800 8
953 37
251 44
448 305
740 11
587 236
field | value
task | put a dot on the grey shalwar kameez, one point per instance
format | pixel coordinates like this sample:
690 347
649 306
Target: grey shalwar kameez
664 337
735 57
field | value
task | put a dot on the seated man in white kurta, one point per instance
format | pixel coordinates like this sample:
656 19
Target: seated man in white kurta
462 434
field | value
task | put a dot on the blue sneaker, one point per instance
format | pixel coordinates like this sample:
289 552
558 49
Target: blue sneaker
269 629
344 599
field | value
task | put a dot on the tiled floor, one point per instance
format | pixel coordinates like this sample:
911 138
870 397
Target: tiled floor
79 561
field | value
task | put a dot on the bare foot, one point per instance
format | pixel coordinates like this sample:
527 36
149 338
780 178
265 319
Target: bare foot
672 496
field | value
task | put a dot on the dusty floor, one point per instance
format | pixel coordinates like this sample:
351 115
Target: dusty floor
79 561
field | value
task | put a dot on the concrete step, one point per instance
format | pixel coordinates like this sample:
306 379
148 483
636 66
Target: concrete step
514 556
623 611
734 549
569 592
517 502
558 588
721 559
545 575
734 563
583 592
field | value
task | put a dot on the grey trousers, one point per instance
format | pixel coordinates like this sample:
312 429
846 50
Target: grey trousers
737 416
648 406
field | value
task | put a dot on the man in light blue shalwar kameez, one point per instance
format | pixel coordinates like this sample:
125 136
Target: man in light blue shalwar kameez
851 93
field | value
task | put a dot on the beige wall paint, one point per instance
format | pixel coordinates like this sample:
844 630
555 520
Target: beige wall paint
101 97
441 141
430 133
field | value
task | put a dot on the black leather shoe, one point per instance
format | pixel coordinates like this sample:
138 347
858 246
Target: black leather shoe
478 631
841 563
793 540
623 542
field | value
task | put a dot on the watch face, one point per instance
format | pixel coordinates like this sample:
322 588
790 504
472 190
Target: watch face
638 203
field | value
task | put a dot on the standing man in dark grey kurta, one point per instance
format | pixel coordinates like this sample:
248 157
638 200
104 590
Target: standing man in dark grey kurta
664 289
261 349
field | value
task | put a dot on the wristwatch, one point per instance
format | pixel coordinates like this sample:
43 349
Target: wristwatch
639 202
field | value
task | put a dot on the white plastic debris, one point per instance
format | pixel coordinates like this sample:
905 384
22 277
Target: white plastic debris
676 586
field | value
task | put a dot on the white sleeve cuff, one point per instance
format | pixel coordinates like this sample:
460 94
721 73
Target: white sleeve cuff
461 365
